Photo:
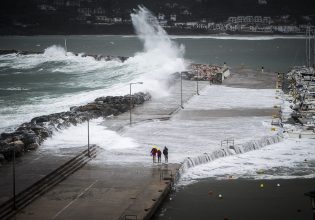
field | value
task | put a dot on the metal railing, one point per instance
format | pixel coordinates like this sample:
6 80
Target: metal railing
28 195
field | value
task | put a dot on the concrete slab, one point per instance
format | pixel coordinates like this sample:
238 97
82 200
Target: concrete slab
97 192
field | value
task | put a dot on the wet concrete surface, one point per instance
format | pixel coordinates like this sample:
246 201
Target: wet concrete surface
252 79
104 192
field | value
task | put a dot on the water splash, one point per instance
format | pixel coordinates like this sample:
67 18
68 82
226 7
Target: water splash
55 51
160 57
191 162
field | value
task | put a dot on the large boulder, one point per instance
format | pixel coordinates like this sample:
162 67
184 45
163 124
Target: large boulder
7 150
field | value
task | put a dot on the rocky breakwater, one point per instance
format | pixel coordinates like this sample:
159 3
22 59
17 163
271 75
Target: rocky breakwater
98 57
203 72
28 136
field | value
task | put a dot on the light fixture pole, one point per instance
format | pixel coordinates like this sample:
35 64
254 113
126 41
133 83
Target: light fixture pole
130 106
13 171
197 83
88 127
181 90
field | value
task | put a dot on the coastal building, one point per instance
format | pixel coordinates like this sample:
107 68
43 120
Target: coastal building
211 25
253 28
267 20
102 19
161 16
163 23
180 24
286 28
85 11
117 20
258 19
232 19
249 19
99 11
240 19
192 24
173 17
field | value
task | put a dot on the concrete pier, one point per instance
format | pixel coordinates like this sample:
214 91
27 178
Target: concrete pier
99 191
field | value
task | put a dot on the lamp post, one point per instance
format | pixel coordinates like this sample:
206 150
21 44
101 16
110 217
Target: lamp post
311 194
88 127
181 90
197 83
130 106
13 172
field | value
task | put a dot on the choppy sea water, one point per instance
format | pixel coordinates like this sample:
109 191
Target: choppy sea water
55 80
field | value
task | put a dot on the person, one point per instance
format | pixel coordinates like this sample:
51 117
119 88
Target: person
159 153
153 153
165 153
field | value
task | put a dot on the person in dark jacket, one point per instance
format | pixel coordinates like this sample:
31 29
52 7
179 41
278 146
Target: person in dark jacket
165 153
159 153
153 153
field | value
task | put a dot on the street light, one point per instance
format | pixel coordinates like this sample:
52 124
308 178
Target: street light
88 127
131 99
197 83
181 90
13 170
311 194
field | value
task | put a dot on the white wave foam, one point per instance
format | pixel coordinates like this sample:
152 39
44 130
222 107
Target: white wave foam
161 56
76 136
292 158
14 89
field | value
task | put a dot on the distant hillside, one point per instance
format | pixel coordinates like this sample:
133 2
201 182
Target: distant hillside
60 16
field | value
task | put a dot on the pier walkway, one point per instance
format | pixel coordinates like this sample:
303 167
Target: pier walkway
113 191
98 191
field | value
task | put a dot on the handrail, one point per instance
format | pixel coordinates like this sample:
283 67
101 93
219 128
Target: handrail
41 186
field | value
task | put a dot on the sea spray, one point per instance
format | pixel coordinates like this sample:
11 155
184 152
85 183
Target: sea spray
229 151
161 56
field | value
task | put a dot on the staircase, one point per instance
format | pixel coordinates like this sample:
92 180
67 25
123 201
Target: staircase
9 208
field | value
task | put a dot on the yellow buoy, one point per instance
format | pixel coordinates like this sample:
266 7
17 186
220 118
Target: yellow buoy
261 185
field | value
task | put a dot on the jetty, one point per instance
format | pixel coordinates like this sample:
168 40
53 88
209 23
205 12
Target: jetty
68 184
77 184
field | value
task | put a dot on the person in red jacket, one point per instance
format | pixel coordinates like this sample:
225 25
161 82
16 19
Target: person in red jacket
159 153
153 153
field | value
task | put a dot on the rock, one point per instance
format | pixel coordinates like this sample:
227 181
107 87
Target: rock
33 146
7 150
41 119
